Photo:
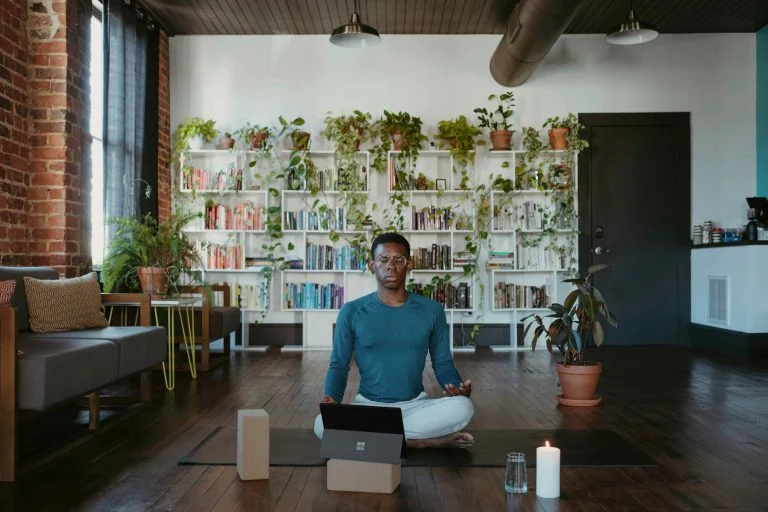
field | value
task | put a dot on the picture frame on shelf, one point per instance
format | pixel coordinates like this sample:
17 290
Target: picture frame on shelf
441 184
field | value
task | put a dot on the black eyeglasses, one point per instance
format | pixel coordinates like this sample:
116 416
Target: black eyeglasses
399 261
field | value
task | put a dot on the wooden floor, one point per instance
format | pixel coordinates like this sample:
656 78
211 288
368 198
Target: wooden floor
703 419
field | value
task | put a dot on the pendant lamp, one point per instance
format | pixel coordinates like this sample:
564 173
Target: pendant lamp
355 34
632 31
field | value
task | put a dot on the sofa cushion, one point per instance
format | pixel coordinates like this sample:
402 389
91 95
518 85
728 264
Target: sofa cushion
19 300
139 348
65 304
55 370
6 291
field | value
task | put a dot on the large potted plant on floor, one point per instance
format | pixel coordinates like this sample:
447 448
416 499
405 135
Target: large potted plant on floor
574 327
151 257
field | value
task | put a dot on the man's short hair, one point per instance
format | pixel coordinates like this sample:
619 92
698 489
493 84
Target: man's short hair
390 238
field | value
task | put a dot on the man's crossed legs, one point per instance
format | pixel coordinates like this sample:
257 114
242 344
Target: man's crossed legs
428 422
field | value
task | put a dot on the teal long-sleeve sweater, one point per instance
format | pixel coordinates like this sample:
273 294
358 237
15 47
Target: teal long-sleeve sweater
390 346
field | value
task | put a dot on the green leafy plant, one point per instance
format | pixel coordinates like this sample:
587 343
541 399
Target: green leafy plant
194 127
402 131
575 323
347 132
571 123
498 118
462 137
143 242
250 136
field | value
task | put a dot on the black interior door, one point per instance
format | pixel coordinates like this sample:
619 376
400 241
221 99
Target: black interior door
634 201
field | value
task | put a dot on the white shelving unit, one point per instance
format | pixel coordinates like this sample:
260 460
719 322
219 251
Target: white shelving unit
246 281
532 267
378 189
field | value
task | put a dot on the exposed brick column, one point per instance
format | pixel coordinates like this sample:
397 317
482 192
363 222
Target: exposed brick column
164 133
59 163
14 130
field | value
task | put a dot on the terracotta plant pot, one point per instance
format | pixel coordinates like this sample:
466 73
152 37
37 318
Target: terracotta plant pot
501 139
398 140
557 137
257 139
153 280
227 143
579 384
300 140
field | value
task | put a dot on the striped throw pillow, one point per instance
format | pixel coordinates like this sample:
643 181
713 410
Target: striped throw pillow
6 291
64 304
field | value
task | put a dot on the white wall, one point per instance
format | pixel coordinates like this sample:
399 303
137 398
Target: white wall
747 284
234 79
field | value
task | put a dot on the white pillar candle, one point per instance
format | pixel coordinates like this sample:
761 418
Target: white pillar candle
547 471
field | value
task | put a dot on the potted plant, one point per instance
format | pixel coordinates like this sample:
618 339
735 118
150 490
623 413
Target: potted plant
575 326
403 129
348 132
462 138
150 256
194 133
564 133
497 120
253 136
227 142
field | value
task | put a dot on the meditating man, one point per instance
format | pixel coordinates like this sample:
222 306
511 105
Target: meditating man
390 332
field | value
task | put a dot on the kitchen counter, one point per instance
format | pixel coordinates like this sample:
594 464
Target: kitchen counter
730 244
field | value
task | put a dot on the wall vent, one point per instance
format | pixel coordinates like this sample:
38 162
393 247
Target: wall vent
718 299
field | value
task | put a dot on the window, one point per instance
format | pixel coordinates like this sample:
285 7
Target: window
97 134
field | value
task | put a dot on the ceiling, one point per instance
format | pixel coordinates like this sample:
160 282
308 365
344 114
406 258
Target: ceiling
443 16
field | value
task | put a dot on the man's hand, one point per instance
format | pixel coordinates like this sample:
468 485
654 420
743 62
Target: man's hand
465 389
328 400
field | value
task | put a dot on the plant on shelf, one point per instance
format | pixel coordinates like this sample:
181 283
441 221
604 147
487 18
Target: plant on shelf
227 141
251 137
150 256
402 132
564 133
462 137
347 132
575 326
194 133
498 119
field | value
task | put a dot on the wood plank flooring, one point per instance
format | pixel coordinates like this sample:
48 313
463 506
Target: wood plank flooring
702 418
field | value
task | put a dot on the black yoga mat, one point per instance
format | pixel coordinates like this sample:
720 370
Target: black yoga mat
300 447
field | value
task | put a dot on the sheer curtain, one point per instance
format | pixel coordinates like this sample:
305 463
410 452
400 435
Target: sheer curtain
130 119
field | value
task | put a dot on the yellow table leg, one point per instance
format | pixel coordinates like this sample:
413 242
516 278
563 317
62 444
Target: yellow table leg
169 377
188 335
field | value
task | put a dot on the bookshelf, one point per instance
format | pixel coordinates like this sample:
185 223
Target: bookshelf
519 275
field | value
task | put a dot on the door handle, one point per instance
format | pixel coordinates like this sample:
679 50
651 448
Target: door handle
601 250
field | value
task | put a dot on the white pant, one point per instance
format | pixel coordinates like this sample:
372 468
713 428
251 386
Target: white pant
423 418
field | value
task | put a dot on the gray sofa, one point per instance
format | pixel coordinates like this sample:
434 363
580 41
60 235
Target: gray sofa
41 370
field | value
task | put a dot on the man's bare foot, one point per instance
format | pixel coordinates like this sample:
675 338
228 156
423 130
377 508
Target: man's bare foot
455 440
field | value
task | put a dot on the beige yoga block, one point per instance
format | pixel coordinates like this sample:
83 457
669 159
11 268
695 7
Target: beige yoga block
253 444
356 476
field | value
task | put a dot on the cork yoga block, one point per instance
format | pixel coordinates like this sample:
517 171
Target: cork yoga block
253 444
356 476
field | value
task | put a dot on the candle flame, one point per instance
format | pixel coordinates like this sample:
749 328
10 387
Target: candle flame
547 443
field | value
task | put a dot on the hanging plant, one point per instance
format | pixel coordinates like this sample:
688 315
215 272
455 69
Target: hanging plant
401 132
347 133
461 137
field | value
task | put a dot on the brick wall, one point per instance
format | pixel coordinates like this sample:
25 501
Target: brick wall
44 113
58 223
164 134
14 129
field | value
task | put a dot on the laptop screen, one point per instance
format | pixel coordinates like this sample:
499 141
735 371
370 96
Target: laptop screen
364 418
